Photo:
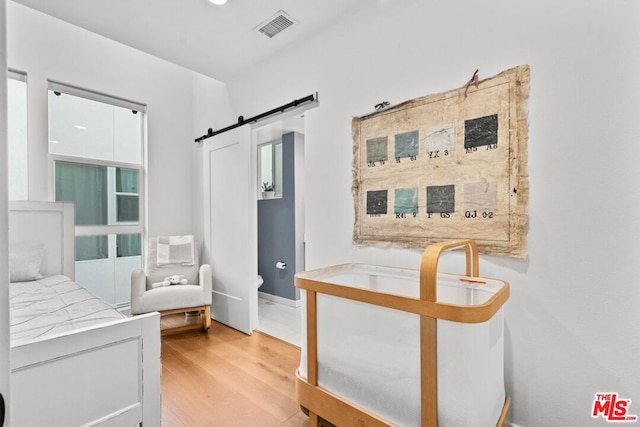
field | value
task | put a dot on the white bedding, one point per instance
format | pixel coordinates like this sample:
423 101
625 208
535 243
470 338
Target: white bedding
54 305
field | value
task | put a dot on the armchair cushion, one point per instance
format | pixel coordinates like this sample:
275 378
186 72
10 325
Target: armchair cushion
165 298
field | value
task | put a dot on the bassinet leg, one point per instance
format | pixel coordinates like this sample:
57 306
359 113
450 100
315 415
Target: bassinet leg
313 419
505 416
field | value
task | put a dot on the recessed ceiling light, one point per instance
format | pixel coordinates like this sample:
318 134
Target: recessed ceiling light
218 2
51 141
80 127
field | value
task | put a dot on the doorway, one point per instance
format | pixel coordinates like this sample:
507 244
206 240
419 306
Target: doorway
280 226
231 221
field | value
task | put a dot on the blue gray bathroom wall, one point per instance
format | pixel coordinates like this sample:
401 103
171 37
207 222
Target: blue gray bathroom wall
277 229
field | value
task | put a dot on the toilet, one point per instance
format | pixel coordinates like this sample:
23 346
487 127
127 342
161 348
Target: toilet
260 281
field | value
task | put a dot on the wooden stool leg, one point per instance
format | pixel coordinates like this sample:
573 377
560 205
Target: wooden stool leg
207 318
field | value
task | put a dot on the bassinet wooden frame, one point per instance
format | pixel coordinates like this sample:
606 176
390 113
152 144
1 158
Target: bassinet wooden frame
323 404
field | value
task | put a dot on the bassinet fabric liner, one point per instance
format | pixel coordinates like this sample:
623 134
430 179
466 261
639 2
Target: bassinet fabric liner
54 305
382 376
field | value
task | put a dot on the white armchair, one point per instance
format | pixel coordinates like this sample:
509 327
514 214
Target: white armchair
195 296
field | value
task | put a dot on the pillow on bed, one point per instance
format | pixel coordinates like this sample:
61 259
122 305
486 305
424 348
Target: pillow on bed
24 261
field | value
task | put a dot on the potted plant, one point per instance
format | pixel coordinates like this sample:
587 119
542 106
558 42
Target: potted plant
268 190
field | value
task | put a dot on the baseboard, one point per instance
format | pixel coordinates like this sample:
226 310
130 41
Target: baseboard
279 300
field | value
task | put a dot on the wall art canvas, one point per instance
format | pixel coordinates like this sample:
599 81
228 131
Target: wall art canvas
446 166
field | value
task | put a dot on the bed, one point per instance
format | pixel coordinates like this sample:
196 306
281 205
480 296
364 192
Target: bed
394 347
75 361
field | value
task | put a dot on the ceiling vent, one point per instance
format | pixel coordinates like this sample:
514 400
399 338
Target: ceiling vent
276 24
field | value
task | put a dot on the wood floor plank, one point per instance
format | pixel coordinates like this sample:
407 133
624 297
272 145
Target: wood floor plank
261 393
227 378
238 411
264 363
191 399
298 420
169 419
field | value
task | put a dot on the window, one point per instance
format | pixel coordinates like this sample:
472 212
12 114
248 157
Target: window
127 196
101 196
17 136
270 166
96 145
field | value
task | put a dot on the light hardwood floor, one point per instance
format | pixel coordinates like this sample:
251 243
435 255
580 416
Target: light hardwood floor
226 378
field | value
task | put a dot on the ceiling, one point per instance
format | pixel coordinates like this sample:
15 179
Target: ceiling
217 41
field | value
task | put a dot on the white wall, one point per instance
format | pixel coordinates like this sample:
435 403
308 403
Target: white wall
47 48
573 317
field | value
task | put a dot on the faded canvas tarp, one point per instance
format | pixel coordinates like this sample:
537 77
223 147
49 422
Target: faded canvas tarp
446 166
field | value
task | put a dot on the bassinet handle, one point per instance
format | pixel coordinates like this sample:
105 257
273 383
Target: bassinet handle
429 264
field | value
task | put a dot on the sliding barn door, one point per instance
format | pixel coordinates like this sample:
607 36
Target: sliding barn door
232 228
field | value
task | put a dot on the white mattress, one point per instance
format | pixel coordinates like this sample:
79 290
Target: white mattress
54 305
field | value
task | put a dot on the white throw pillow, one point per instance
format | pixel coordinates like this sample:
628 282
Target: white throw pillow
177 250
24 261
